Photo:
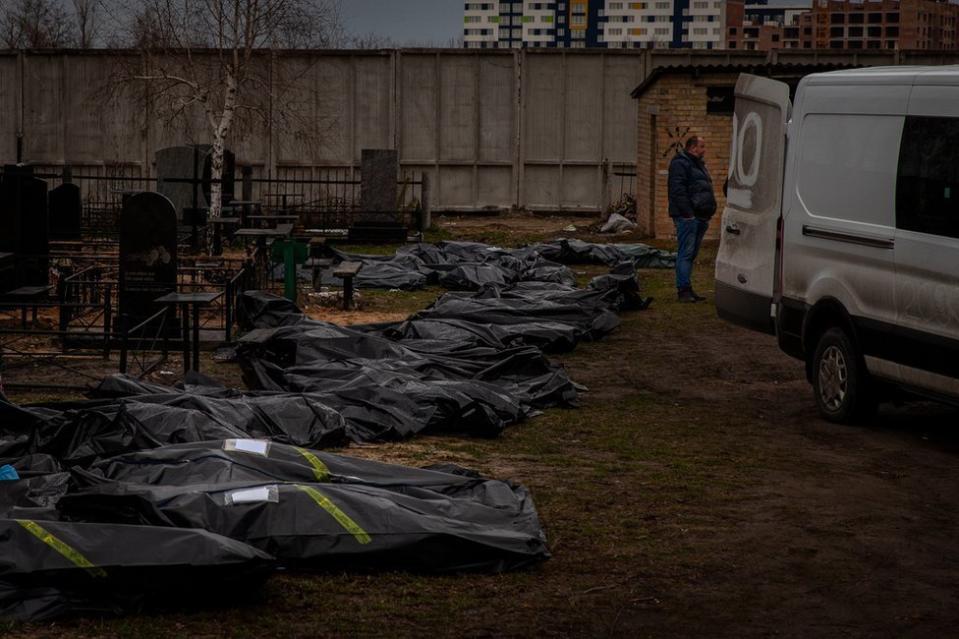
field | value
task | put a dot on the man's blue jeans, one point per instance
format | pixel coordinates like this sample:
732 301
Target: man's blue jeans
689 235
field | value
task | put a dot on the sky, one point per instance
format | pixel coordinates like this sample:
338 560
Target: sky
405 22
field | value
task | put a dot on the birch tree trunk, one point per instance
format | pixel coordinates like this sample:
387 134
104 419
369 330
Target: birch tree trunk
221 127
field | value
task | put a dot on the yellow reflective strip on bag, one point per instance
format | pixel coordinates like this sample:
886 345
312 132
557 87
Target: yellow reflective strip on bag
61 547
319 468
344 520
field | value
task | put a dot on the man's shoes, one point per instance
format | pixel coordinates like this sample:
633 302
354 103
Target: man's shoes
686 297
697 298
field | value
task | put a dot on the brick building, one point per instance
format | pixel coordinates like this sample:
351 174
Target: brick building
675 103
841 24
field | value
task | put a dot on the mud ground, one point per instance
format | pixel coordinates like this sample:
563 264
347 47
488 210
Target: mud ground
695 492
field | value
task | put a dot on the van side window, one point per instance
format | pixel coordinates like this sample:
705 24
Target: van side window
927 189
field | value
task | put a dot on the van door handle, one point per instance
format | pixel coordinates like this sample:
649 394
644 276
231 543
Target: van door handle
733 229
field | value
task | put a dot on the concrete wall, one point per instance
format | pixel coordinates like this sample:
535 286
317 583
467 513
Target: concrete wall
533 129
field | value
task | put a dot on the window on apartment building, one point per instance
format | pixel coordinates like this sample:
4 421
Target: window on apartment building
775 37
662 5
875 18
856 18
470 19
837 32
855 32
892 32
614 6
891 44
892 17
874 44
807 45
700 5
579 20
732 45
732 31
835 44
837 18
874 32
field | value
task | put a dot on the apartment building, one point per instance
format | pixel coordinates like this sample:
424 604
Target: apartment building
848 25
596 23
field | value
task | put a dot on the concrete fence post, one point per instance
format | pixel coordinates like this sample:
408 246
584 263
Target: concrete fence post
426 221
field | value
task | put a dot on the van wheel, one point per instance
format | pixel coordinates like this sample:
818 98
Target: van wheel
840 381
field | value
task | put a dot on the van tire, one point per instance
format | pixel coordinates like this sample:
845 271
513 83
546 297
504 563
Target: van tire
841 385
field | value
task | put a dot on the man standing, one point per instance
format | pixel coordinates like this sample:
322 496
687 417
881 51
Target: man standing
691 204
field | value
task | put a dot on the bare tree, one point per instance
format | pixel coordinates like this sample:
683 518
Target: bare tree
35 24
215 55
86 14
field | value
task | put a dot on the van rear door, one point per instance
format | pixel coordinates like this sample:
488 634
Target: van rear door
746 264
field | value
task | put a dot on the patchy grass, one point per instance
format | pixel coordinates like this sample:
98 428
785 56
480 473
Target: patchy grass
693 492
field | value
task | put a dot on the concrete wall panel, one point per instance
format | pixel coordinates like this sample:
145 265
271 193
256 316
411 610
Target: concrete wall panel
493 128
543 107
581 187
295 93
584 108
418 94
497 81
43 108
250 138
495 186
455 187
331 130
9 108
459 104
372 103
623 74
542 187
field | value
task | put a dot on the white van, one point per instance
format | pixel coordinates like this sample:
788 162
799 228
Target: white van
841 232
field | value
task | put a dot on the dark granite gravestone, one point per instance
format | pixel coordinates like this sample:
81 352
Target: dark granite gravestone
192 163
378 218
148 261
379 172
65 210
176 162
24 224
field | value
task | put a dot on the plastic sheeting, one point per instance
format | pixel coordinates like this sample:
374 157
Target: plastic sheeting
469 266
185 523
145 493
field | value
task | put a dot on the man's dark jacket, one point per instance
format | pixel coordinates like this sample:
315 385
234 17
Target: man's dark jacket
690 188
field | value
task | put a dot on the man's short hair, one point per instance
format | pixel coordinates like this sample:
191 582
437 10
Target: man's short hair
693 141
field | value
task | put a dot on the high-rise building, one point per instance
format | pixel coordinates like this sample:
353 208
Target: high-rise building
844 24
595 23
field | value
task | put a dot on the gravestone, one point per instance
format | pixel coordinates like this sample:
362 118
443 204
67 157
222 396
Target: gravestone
148 259
192 163
65 210
24 224
378 218
380 171
176 162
